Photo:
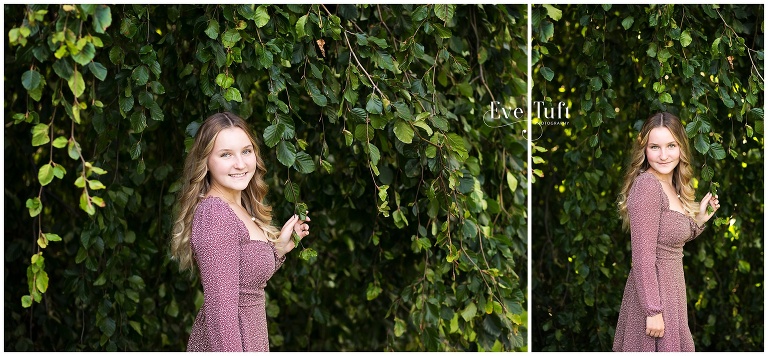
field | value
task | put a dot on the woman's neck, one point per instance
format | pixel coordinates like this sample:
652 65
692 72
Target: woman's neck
666 178
232 196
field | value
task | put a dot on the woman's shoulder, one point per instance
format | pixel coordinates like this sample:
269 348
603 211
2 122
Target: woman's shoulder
214 217
645 182
211 208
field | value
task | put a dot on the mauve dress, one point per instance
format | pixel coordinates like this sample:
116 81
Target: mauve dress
234 271
656 283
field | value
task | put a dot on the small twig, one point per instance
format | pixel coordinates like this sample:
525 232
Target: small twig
477 46
757 72
349 45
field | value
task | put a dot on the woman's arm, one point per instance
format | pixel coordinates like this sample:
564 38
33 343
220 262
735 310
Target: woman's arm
699 222
217 251
644 206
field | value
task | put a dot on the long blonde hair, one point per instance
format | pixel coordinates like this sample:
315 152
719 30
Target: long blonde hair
197 183
682 174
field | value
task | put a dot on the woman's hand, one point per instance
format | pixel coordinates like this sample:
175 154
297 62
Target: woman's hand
284 243
709 200
654 326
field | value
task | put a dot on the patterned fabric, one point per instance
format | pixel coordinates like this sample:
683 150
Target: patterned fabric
234 271
656 282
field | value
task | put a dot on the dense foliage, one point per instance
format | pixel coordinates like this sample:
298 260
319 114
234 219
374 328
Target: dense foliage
614 66
371 115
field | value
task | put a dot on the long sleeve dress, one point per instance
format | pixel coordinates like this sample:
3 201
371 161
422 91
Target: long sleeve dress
234 271
656 282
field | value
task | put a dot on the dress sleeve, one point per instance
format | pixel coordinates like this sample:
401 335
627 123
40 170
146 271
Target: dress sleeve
217 251
644 208
696 229
278 259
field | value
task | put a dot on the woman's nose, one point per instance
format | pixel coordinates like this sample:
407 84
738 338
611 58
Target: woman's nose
239 162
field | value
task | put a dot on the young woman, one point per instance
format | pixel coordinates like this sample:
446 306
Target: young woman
657 205
223 227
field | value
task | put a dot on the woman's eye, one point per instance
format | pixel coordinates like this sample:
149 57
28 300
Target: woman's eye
245 152
227 154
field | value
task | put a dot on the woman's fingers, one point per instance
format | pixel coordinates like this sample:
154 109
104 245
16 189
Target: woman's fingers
291 221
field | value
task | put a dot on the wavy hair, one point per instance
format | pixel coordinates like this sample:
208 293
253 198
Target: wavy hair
197 183
682 174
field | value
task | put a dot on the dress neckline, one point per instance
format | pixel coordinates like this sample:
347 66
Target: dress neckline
664 194
240 221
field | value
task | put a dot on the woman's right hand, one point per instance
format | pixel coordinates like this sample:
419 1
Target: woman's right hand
285 243
654 326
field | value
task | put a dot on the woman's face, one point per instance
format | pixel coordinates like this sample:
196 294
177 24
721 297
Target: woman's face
232 162
662 151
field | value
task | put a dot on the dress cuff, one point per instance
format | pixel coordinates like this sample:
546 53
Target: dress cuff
278 259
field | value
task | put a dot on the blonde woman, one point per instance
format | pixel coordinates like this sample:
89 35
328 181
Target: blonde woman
223 227
657 205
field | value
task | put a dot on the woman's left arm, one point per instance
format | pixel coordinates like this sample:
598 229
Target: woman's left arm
699 222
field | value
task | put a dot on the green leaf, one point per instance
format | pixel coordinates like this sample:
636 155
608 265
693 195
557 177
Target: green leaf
400 327
31 79
469 312
41 281
374 105
456 144
707 173
52 237
138 121
358 115
307 254
136 326
627 22
35 206
511 181
45 174
213 29
126 103
595 83
665 98
230 38
717 151
300 26
232 94
273 134
261 16
95 185
685 38
744 266
701 143
372 291
374 154
76 84
445 11
85 55
59 171
547 73
553 12
26 301
286 153
40 135
291 192
403 131
469 229
348 137
304 163
224 80
102 18
716 47
98 70
73 149
140 75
